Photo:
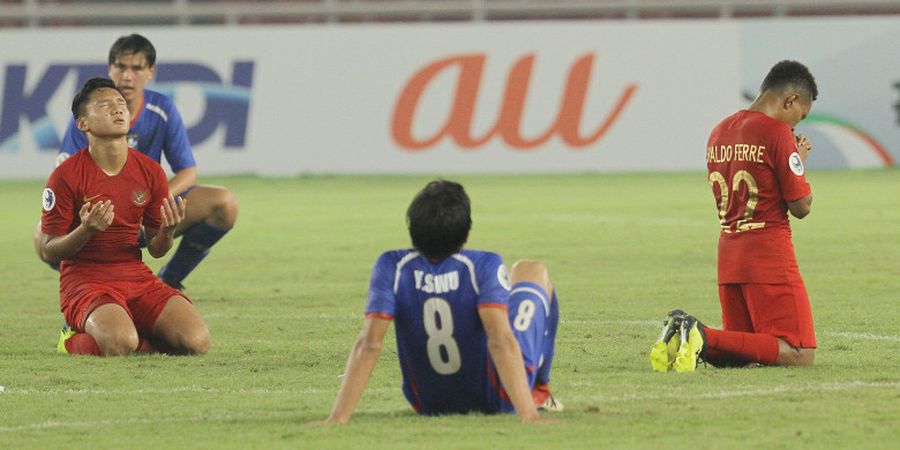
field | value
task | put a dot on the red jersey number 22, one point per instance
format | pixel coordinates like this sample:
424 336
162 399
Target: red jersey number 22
742 176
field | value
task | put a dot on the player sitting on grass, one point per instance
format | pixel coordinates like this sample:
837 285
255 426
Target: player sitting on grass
94 203
466 340
756 171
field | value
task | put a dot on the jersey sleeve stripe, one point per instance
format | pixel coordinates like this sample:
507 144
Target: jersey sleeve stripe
409 257
535 292
493 305
379 316
157 110
468 262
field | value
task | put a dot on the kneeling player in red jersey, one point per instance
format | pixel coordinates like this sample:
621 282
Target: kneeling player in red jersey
94 203
158 129
467 340
757 175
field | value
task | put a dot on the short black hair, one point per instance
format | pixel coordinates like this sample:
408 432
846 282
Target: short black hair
793 74
439 219
82 97
133 43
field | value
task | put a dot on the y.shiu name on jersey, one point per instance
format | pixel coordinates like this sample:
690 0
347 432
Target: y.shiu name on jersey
436 284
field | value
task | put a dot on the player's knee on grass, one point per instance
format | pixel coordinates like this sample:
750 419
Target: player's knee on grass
790 356
181 326
119 344
196 341
112 329
120 341
533 271
187 341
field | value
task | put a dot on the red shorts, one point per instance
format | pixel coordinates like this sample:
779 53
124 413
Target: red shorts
781 310
85 287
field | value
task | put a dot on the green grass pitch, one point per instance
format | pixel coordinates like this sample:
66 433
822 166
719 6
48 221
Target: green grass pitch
283 295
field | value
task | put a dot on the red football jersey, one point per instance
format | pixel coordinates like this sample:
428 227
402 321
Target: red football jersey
137 192
754 171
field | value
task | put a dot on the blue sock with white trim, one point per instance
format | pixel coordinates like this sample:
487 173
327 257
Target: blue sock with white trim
549 343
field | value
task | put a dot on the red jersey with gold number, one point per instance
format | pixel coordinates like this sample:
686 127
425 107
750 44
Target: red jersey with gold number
137 192
755 171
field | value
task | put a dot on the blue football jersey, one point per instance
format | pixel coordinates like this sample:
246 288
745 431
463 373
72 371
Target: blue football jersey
157 130
441 342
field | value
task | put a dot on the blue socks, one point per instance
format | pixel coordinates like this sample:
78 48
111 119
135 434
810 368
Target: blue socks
194 246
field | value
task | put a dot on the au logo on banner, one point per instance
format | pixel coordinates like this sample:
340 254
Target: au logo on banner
507 127
227 105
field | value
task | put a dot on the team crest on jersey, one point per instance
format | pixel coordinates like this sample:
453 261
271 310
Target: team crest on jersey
502 276
133 139
48 199
796 164
139 197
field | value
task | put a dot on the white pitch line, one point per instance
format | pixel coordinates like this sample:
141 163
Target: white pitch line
186 389
644 323
174 390
650 323
862 336
135 420
824 387
658 323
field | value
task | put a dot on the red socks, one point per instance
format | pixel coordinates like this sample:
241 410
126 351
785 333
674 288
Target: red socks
729 347
144 346
82 344
540 393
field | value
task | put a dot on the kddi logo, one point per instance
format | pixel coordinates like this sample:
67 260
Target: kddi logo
508 124
227 103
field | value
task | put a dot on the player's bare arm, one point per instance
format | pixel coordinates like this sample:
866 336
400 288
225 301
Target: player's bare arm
504 350
801 208
182 180
95 218
172 212
360 365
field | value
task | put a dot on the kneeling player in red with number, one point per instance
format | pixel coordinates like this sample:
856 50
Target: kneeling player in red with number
94 204
756 171
461 329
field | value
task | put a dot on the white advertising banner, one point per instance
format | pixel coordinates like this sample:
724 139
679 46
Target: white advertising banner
856 120
433 98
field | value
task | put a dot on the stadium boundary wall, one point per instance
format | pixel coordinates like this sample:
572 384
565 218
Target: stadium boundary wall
527 97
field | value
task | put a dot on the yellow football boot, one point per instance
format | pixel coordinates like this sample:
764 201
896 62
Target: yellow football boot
64 335
663 352
692 344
